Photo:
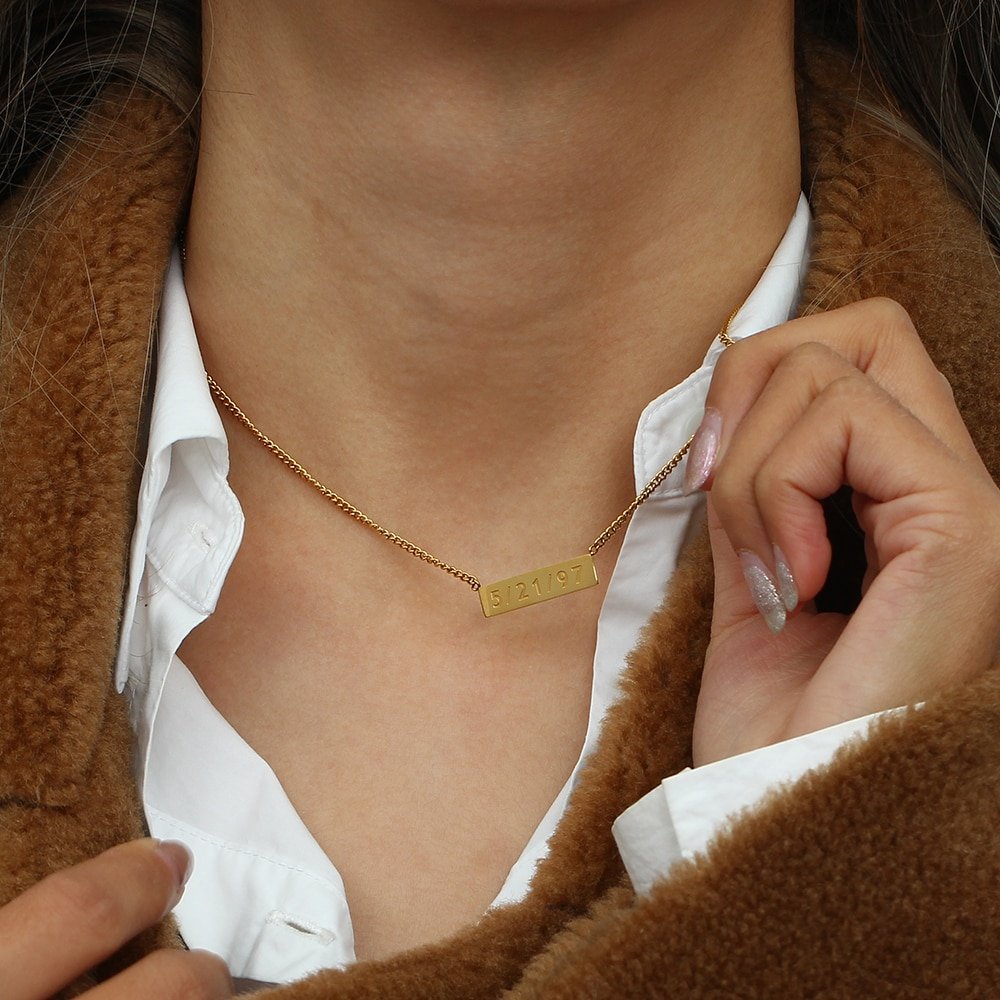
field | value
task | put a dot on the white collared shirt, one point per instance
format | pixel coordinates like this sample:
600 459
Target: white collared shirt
263 894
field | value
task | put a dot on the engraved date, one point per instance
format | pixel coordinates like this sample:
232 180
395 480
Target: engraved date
538 585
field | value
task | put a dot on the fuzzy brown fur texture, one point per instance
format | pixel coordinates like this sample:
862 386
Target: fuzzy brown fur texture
875 876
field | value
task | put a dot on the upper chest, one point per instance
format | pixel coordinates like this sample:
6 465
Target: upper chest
420 743
419 753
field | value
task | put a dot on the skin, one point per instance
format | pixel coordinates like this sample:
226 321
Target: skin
446 263
506 211
851 397
928 617
74 919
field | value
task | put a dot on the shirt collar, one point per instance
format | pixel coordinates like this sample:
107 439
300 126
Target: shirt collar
775 297
188 521
183 408
669 420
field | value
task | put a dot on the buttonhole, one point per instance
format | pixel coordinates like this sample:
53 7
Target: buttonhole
322 935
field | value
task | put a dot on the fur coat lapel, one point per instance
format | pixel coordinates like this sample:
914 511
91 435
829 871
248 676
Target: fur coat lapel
846 871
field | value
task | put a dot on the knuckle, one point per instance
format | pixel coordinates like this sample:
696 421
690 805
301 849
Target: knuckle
769 481
953 529
809 358
179 975
780 501
889 316
88 903
948 540
949 388
809 352
731 493
842 392
894 333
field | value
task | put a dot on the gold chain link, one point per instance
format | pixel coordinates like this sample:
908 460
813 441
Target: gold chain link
605 535
345 505
404 543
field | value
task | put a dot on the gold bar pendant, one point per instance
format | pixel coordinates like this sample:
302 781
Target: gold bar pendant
538 585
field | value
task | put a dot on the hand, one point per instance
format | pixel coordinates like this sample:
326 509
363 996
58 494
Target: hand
71 921
845 397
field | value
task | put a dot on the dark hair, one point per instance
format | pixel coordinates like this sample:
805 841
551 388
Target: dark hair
938 62
56 55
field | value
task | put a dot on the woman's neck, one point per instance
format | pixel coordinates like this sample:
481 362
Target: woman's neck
444 242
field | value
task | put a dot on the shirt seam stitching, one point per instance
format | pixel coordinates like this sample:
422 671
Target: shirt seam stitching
225 846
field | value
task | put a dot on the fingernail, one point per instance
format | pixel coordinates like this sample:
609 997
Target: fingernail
786 582
703 450
763 590
179 859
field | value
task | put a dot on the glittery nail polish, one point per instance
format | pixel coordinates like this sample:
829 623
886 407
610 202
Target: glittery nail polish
786 582
702 453
763 590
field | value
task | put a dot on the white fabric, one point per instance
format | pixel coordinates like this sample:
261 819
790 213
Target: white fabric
679 818
263 894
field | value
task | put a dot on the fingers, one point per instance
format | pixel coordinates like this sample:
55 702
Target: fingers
794 414
874 336
170 975
792 449
761 388
931 521
76 918
850 432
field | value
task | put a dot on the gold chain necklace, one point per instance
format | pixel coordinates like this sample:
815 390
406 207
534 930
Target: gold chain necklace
521 591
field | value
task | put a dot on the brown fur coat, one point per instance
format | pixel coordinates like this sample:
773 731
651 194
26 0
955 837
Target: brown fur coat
876 876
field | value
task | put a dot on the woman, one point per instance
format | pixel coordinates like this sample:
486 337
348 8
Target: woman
460 246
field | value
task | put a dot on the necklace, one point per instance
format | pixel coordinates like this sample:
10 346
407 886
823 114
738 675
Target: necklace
520 591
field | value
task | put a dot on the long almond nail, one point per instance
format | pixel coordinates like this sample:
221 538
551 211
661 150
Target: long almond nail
786 582
703 451
763 590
